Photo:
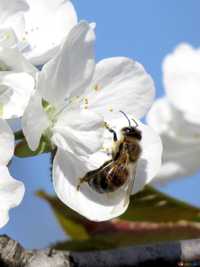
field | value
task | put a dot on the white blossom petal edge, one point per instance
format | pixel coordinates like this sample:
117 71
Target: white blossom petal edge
17 81
11 190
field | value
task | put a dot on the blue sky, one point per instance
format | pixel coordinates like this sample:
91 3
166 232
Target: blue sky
145 30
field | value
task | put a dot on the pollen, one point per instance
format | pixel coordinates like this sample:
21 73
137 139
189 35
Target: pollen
110 109
97 87
86 102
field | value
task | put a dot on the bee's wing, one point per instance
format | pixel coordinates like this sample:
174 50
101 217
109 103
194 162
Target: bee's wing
131 182
118 166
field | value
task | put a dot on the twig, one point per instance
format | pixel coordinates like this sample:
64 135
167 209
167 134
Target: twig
180 253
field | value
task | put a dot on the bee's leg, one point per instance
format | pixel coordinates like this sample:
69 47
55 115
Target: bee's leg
84 179
111 131
81 180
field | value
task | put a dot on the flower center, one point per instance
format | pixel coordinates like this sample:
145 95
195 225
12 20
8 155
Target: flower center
50 110
8 38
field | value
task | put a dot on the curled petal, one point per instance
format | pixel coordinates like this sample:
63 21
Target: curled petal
70 72
15 92
120 84
47 23
34 121
67 169
12 60
6 143
11 194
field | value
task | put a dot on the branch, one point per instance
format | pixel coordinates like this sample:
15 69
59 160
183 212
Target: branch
167 254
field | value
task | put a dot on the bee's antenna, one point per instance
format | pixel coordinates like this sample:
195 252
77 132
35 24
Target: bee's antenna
126 117
136 124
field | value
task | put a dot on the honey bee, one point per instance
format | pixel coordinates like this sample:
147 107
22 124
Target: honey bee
115 172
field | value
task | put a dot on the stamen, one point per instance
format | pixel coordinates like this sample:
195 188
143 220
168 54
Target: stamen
110 109
86 102
97 87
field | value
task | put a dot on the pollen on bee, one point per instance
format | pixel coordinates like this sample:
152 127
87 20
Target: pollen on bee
105 150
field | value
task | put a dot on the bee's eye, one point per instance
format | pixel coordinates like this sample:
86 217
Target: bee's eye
126 130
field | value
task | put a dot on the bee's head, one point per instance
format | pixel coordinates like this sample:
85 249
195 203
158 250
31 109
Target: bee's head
132 132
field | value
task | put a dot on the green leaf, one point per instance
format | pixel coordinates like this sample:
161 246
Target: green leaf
154 206
22 149
19 135
152 216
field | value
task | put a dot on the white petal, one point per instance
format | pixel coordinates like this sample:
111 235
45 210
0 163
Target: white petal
164 118
11 194
67 170
180 147
16 89
181 71
120 84
15 61
6 143
9 8
79 132
71 71
180 159
149 163
48 22
34 121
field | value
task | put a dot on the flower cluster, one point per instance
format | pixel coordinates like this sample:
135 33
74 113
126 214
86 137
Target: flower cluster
64 98
176 116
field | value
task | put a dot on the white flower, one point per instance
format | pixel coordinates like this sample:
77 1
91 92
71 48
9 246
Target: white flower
11 190
36 27
84 93
16 83
176 117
